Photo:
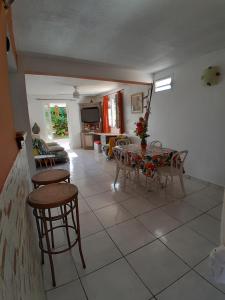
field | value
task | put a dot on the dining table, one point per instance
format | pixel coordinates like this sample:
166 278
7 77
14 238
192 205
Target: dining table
149 159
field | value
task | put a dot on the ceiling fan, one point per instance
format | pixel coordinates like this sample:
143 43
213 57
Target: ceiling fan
71 97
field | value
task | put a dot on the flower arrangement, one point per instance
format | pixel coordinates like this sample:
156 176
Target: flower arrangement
141 130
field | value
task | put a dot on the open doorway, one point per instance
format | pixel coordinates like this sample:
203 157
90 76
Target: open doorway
56 119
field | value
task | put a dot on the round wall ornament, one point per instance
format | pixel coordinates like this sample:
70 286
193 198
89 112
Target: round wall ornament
211 76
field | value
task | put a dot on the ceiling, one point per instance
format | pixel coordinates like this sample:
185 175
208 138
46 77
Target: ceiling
148 35
58 87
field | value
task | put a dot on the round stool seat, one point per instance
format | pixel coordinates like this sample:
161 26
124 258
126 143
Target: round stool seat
52 195
50 176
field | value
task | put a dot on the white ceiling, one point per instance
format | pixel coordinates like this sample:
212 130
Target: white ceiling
62 87
148 35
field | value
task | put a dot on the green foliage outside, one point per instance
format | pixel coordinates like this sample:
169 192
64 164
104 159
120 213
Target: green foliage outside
59 121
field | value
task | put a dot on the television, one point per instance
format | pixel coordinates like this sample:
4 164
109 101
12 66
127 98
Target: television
90 115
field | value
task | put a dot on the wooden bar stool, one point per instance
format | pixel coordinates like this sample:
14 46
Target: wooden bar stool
65 197
50 176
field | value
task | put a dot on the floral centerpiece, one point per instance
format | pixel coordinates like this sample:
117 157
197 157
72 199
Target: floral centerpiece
141 131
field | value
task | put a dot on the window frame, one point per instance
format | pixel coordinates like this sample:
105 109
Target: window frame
164 85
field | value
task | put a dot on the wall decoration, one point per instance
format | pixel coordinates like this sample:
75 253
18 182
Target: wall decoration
211 76
36 129
142 125
137 103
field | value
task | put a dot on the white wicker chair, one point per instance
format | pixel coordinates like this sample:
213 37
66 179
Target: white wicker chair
122 164
175 168
156 144
122 142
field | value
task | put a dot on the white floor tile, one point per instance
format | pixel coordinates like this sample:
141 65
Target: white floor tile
188 245
181 211
158 222
130 235
137 205
204 269
214 192
201 201
157 266
159 198
69 291
207 226
65 270
112 215
93 189
192 185
59 236
115 282
84 182
103 177
216 212
98 250
83 206
108 276
101 200
89 224
193 287
120 195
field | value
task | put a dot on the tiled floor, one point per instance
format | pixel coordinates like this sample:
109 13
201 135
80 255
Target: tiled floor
138 243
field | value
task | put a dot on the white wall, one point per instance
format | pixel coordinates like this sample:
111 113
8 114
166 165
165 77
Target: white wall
74 124
20 112
36 113
192 116
31 63
129 118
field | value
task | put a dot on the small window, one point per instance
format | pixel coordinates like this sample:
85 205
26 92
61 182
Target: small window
163 84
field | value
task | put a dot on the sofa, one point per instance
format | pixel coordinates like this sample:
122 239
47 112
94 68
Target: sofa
40 147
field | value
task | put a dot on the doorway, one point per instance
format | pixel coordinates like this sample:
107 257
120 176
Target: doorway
56 118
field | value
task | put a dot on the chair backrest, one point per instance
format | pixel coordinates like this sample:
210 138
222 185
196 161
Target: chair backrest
120 156
177 160
122 142
156 144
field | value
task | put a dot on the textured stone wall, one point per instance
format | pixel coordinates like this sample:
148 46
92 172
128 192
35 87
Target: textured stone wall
20 269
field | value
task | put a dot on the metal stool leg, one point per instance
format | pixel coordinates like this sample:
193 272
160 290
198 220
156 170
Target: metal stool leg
48 247
73 220
39 235
67 228
78 235
61 210
51 229
41 226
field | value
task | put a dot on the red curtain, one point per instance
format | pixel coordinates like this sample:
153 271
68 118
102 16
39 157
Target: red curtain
120 106
105 117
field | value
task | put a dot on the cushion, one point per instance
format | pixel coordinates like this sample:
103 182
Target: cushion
55 148
35 151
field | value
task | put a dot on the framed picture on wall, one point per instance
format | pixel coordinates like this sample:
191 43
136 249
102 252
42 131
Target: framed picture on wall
137 103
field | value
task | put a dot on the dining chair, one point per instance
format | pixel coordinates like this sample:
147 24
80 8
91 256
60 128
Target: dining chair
122 142
175 168
122 164
156 144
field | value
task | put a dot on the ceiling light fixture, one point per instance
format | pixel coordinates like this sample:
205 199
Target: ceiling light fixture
76 93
